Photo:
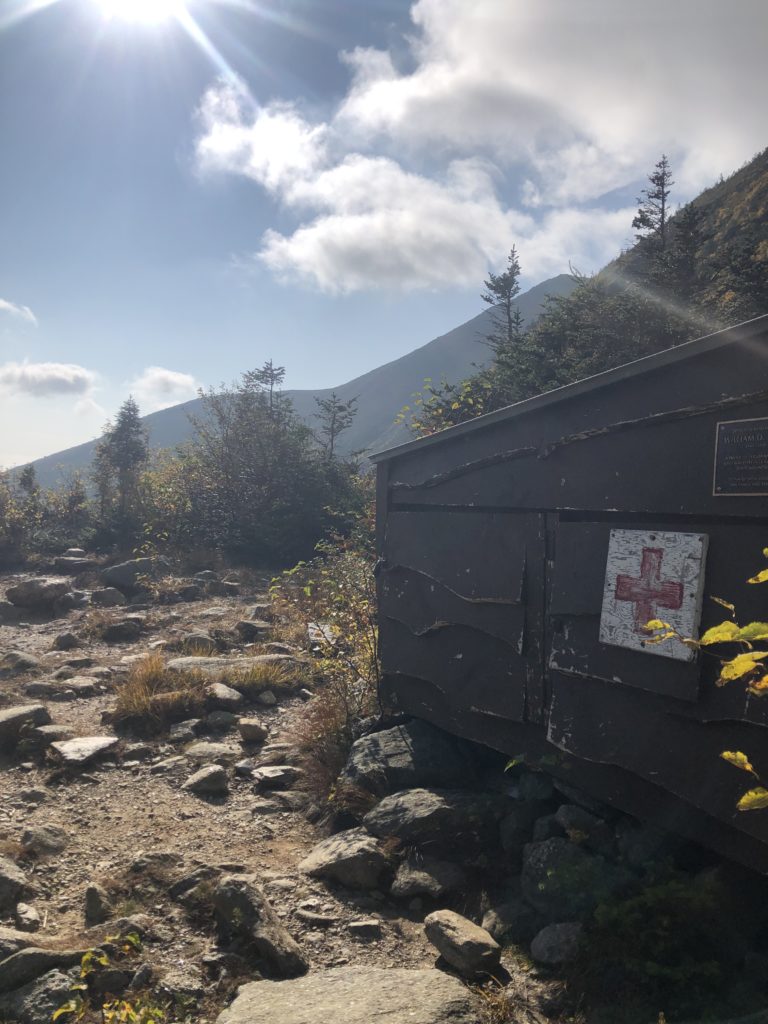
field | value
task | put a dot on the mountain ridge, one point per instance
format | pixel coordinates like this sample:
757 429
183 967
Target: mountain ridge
381 392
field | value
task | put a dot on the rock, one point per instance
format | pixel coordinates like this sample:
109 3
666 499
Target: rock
15 663
561 879
126 575
251 630
426 876
79 751
219 695
516 827
437 819
585 829
11 941
74 553
13 721
71 601
185 732
366 928
205 750
66 642
314 920
209 781
190 592
577 796
124 631
9 613
514 919
557 943
13 883
277 753
221 588
463 944
37 594
30 963
535 786
640 844
220 721
409 756
206 576
252 730
98 905
278 776
71 688
108 597
352 858
263 611
197 643
355 995
44 840
241 907
47 734
37 1001
223 666
27 918
267 698
72 565
546 827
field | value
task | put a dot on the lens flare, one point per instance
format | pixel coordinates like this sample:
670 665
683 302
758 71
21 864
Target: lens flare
142 12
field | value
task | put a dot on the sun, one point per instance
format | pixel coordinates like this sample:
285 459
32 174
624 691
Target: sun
143 12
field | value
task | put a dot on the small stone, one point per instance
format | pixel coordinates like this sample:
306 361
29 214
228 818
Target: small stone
121 632
185 732
66 642
426 876
266 698
44 840
209 781
98 905
27 918
315 920
366 928
279 776
208 751
465 946
222 696
47 734
14 721
220 721
251 631
108 597
244 769
252 730
13 883
83 749
557 943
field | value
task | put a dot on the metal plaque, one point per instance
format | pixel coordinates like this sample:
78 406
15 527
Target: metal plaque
741 458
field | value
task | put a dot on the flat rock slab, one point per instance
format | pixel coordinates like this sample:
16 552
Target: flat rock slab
225 666
355 995
37 593
13 720
30 963
207 750
352 858
84 748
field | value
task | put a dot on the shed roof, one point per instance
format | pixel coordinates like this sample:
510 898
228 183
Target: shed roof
743 332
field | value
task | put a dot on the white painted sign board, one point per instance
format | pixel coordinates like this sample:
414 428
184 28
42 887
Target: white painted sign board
653 575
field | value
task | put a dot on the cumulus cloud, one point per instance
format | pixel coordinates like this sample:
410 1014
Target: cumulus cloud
513 124
43 380
22 312
157 388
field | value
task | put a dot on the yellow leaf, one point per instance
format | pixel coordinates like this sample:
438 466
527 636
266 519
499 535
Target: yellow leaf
726 604
738 760
720 634
754 631
761 577
657 624
759 687
741 665
753 799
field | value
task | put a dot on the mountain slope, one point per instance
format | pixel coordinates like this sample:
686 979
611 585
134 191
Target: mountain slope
381 393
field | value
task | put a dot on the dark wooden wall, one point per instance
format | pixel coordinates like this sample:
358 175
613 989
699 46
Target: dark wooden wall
493 549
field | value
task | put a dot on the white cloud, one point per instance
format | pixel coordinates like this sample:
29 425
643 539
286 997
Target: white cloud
43 380
556 102
157 388
22 312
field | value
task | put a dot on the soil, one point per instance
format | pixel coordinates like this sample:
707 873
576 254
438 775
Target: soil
116 810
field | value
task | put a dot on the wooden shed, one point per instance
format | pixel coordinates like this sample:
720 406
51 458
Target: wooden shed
521 554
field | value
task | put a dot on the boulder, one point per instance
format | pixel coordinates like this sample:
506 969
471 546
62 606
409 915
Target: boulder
562 880
66 642
72 565
13 721
38 1000
352 858
409 756
122 632
438 818
108 597
426 876
463 944
252 730
47 734
44 840
207 750
16 663
242 908
219 695
252 630
209 781
513 919
98 905
557 943
82 749
126 575
37 594
220 721
190 592
30 963
13 884
355 995
276 776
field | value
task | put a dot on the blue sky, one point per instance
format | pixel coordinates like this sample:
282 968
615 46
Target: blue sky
187 193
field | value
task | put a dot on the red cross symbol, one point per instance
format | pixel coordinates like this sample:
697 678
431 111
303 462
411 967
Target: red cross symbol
650 590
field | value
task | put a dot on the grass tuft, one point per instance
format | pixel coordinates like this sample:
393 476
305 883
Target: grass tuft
153 698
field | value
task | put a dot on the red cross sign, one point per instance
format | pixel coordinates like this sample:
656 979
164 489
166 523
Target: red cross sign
653 574
649 591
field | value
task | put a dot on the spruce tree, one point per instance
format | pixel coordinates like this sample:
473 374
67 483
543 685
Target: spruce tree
506 320
334 417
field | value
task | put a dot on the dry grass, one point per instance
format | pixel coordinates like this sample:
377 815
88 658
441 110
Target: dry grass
153 698
282 677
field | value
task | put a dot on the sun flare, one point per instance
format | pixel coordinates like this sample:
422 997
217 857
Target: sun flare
145 12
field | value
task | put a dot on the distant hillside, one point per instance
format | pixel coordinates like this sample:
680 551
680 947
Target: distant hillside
381 393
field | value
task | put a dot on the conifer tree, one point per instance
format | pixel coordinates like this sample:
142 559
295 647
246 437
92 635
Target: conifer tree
334 417
506 320
652 217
